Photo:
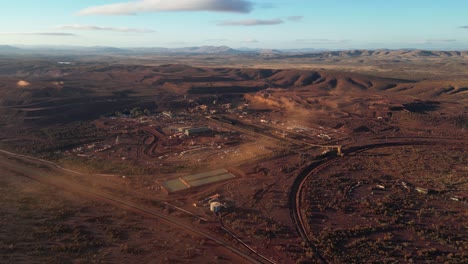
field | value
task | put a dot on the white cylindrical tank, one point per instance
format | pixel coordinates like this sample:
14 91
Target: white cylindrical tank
215 207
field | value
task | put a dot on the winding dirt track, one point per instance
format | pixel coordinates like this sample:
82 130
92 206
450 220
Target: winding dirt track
50 179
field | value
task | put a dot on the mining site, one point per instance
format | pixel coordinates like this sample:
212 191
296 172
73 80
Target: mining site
143 161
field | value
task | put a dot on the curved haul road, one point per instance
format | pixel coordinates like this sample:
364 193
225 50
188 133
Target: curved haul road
44 178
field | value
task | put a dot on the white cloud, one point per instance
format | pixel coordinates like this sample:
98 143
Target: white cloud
295 18
432 41
266 5
98 28
177 43
56 34
217 39
251 41
140 6
251 22
322 41
442 40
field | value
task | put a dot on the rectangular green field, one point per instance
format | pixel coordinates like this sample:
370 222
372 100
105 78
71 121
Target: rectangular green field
196 180
174 185
204 175
212 179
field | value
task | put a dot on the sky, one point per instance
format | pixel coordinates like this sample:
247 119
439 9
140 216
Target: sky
268 24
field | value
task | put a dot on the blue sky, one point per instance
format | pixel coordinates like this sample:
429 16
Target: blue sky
331 24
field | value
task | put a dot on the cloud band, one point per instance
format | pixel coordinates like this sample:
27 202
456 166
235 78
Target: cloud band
129 8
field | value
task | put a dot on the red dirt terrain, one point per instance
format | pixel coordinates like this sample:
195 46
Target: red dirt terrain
329 166
47 223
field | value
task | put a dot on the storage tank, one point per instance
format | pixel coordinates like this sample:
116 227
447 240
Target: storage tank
215 207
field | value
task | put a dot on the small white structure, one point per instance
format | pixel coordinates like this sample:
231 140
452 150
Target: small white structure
168 114
216 207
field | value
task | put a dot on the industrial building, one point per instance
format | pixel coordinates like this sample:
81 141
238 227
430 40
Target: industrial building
197 131
216 207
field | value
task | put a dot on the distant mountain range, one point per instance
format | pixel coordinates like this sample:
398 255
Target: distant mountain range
7 48
224 50
123 51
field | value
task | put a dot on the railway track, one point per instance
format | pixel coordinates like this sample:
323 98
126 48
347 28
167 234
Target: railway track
295 205
247 246
295 193
40 176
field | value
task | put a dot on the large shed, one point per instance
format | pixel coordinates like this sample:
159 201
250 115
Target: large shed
197 131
